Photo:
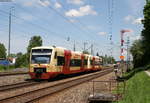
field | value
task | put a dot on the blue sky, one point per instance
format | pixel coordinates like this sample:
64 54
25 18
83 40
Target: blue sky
80 20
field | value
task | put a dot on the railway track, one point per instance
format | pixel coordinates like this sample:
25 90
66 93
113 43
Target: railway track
11 73
16 86
35 95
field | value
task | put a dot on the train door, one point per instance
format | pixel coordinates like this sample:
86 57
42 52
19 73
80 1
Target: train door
66 68
82 62
93 63
89 63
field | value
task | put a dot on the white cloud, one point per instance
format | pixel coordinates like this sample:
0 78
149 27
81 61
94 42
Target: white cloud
128 18
82 11
72 21
133 20
137 21
93 27
34 3
29 3
44 2
101 33
75 2
58 5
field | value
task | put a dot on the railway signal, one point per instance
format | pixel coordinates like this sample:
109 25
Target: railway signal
122 42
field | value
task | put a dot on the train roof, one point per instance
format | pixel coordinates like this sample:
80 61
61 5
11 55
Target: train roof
49 47
43 47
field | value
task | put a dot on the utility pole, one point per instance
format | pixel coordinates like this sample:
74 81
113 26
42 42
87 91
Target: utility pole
9 36
74 46
84 46
91 49
128 55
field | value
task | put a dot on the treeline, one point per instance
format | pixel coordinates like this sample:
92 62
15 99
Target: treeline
22 59
107 59
140 49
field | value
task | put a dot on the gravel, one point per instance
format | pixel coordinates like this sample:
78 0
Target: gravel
5 80
77 94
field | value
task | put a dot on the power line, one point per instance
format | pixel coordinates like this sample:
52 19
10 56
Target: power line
54 9
110 22
13 22
110 18
81 23
35 25
68 20
27 26
34 15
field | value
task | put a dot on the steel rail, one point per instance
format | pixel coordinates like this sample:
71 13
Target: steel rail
11 73
15 86
35 95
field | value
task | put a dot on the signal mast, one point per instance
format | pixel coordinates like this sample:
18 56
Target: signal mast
122 44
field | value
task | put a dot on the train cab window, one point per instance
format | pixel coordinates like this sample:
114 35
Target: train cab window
60 61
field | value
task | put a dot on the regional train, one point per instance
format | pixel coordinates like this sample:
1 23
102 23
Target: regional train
48 62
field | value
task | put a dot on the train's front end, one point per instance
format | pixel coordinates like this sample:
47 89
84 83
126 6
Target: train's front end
40 62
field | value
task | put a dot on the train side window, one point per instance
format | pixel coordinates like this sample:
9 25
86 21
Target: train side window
60 61
91 61
55 55
96 63
75 62
85 62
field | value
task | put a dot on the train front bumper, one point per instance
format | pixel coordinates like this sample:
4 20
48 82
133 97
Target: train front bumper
47 75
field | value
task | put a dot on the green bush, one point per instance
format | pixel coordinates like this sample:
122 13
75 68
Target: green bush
148 67
3 67
21 61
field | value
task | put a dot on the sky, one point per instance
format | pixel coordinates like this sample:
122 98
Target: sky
65 22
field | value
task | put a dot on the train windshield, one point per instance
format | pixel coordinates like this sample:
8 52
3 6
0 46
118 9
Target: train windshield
41 56
40 59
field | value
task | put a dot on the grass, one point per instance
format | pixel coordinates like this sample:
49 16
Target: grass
4 68
138 89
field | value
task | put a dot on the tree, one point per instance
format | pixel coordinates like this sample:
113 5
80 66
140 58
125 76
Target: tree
12 55
85 52
108 59
21 60
146 33
141 48
137 52
35 41
2 51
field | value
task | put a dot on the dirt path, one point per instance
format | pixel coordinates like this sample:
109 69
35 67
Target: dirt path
148 73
